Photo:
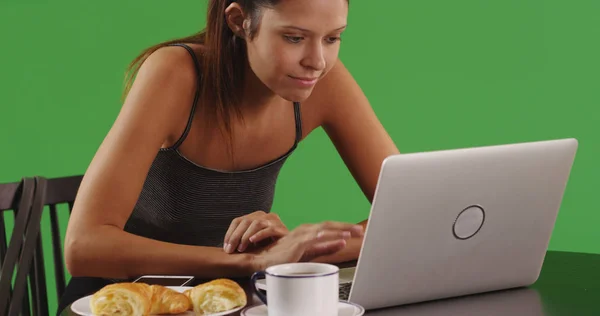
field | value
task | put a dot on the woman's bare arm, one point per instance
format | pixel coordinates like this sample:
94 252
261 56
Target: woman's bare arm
155 112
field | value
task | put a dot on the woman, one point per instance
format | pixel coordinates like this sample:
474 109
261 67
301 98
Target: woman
183 182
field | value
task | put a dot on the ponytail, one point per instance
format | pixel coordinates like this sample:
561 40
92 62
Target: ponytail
223 65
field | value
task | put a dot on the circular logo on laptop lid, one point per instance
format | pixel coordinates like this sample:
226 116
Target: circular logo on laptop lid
468 222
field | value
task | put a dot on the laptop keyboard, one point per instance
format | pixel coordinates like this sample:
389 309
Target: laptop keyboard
345 291
346 278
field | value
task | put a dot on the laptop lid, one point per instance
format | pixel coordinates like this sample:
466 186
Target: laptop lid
464 221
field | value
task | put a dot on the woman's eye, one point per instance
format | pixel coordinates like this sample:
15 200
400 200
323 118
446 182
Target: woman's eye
332 40
293 39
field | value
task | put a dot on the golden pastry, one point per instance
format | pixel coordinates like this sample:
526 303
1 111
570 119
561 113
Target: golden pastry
138 299
216 296
168 301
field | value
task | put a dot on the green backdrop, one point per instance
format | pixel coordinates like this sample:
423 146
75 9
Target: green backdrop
440 75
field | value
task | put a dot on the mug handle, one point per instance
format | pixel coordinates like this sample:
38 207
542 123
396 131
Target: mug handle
255 277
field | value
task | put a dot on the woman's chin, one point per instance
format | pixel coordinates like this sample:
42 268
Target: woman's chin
295 95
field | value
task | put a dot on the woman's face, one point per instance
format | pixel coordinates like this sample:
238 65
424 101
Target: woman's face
296 44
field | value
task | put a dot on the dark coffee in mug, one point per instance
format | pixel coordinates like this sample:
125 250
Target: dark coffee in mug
303 273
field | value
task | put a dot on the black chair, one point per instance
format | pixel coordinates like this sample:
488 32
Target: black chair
19 253
47 192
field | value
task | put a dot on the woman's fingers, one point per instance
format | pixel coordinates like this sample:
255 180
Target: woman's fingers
328 235
309 241
243 228
328 238
323 249
234 224
254 228
355 230
236 235
268 232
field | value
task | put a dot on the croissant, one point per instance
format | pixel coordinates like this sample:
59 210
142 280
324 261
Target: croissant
216 296
138 299
168 301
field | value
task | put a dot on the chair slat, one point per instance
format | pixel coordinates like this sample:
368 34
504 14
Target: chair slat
14 247
59 272
8 192
30 240
26 305
2 239
37 279
33 279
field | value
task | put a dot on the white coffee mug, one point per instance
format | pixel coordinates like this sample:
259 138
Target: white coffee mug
300 289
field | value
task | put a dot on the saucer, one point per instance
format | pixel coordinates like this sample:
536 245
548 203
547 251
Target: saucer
344 309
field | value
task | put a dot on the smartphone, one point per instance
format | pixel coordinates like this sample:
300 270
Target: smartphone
166 280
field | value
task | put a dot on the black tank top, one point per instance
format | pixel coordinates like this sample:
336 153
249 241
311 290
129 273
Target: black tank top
185 203
182 202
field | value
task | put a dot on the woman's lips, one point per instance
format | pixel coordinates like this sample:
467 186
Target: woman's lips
305 81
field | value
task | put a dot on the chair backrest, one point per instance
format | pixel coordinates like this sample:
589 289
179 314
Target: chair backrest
51 193
20 251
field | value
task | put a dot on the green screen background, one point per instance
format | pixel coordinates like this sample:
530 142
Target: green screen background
439 74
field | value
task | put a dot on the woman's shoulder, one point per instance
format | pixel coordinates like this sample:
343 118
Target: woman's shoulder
173 61
171 71
164 89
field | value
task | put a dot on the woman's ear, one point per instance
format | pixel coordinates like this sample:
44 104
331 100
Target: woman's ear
235 17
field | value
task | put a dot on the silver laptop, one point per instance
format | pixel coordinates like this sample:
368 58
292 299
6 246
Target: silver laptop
457 222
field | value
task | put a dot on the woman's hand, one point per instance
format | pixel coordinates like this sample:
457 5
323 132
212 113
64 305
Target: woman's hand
308 242
253 228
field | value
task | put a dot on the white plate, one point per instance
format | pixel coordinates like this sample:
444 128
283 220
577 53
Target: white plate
82 305
344 309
